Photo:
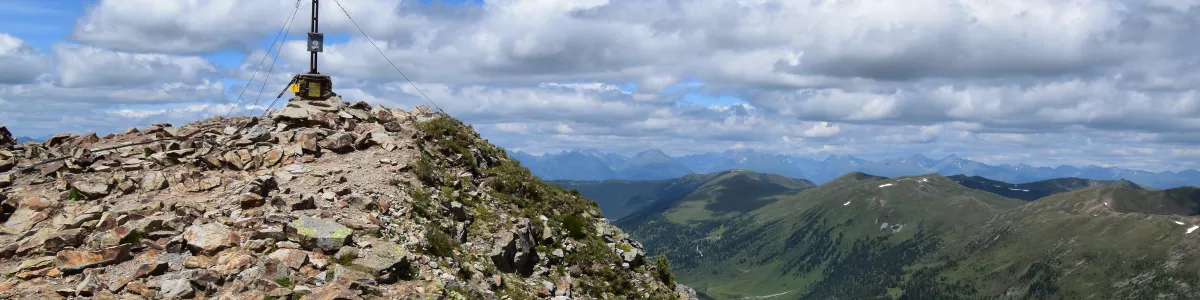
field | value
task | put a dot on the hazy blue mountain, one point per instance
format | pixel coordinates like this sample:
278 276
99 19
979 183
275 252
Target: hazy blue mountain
651 165
836 165
610 159
1189 176
23 139
526 159
745 159
895 167
575 164
596 165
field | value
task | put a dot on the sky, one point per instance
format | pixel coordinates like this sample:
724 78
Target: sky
1083 82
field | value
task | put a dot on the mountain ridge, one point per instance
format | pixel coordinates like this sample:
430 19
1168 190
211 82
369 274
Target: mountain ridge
925 237
322 200
1038 189
639 194
820 170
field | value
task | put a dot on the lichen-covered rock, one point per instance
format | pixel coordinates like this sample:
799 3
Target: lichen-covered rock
320 234
384 260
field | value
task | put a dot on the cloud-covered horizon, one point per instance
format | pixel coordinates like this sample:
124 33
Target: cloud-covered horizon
1102 82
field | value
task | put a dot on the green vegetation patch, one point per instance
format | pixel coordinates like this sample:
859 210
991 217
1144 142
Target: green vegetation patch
511 184
74 195
662 270
449 134
345 260
576 226
439 243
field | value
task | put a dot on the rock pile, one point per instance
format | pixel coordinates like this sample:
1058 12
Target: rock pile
323 200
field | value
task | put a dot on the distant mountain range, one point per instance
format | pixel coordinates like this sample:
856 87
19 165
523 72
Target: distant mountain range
591 164
619 198
744 235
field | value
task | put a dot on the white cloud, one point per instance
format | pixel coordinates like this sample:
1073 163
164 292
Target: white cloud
512 127
1185 153
1050 105
1070 80
87 89
912 134
180 26
87 66
21 63
822 129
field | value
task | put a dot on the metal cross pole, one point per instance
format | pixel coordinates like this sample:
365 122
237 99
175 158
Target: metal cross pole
313 85
315 41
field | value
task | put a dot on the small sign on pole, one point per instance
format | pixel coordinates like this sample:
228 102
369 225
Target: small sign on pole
316 41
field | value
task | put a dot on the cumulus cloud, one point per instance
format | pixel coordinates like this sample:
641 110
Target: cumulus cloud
192 27
22 64
82 88
1005 81
1186 153
781 40
909 134
1051 105
179 26
87 66
823 129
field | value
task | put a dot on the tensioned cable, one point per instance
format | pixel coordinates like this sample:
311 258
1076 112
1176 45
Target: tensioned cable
273 60
364 33
277 97
264 59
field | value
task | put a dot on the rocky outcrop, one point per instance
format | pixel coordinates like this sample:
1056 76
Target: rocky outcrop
323 200
6 138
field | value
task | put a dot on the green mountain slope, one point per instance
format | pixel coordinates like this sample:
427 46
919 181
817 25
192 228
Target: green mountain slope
1078 245
1038 189
1182 201
619 198
925 237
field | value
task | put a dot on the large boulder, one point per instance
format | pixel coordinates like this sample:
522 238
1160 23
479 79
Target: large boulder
319 234
92 189
385 260
515 251
339 142
6 138
258 133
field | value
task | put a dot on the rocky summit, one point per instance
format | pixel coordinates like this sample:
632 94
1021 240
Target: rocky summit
322 200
